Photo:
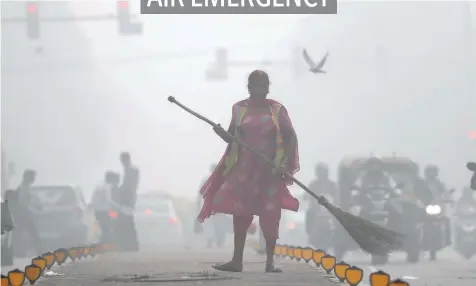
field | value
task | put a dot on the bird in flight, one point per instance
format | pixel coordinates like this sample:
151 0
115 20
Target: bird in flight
313 67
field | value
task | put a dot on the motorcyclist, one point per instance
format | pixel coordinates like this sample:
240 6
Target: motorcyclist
375 174
321 185
466 200
439 192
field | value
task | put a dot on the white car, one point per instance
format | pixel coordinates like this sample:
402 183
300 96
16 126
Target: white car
157 222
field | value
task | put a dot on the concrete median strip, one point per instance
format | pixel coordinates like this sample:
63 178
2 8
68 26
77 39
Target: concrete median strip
44 265
327 266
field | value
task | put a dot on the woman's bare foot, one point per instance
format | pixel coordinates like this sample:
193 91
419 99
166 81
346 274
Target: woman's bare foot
229 267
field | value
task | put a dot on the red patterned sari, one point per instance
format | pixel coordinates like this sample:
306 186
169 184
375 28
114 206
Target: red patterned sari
244 184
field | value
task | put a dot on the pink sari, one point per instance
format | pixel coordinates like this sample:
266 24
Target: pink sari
251 188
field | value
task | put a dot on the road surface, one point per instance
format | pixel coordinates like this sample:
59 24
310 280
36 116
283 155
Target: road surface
449 270
177 263
178 267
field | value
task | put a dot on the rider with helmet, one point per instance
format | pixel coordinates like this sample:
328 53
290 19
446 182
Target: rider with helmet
466 199
438 191
375 174
321 185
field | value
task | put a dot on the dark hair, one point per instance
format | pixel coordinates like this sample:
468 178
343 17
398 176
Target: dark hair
258 77
125 155
29 173
322 166
109 176
431 168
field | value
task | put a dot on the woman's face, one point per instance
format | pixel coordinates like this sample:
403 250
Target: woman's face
258 91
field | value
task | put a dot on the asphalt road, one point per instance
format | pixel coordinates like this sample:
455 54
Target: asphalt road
179 267
449 270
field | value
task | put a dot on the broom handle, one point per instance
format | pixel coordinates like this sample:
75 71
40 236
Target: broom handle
320 199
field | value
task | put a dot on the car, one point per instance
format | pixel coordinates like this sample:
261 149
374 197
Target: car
61 215
157 222
7 227
293 228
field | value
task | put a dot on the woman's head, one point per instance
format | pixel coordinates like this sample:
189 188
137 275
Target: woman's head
258 84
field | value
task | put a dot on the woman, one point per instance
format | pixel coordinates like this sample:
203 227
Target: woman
243 184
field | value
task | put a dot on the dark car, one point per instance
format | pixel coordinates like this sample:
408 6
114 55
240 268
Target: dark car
60 215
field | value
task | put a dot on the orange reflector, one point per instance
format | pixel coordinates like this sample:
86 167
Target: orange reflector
307 254
379 278
339 270
32 273
61 255
40 262
328 262
298 253
4 280
73 253
291 252
284 251
50 259
354 275
317 256
16 277
399 282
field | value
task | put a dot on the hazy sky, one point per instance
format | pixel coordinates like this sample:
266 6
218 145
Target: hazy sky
159 134
172 148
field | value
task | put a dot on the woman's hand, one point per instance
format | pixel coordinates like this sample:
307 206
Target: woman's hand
281 168
223 134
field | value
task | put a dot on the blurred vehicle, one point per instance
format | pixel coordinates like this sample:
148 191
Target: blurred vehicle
61 216
156 221
394 208
222 225
433 239
321 226
465 230
7 227
293 228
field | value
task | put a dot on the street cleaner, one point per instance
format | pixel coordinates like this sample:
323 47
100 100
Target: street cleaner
253 176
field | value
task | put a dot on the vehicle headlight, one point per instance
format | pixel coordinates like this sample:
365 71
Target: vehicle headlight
433 209
468 227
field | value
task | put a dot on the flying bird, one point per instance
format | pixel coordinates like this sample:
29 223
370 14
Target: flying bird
313 67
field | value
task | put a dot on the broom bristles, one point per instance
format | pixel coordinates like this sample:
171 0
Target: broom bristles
370 237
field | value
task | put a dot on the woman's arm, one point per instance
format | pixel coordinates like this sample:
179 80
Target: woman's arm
289 136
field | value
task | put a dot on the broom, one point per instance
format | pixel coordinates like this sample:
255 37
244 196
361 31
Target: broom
372 238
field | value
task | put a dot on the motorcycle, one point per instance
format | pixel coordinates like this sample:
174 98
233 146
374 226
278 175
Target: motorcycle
320 226
433 238
374 202
466 231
